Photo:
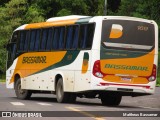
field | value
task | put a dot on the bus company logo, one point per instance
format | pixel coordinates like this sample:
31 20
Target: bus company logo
126 67
34 59
116 31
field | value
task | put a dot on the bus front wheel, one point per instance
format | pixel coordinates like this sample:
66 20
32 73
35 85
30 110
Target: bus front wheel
64 97
111 100
21 93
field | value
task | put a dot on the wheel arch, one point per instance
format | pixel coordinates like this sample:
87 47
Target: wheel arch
57 77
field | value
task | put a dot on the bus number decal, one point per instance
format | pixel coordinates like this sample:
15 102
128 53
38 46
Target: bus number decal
142 28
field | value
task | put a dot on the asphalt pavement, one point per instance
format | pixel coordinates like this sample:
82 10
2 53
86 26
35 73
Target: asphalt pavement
45 106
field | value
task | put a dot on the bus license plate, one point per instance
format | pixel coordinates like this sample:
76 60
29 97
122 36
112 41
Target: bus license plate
126 78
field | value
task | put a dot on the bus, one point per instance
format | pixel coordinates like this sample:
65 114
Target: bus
105 57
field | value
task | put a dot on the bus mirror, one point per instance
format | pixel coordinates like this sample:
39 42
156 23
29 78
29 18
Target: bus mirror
7 46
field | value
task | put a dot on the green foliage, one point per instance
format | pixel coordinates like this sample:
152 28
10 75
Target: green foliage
34 14
14 13
64 12
11 16
68 7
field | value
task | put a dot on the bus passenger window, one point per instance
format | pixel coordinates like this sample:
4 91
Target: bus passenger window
13 51
61 38
37 40
12 47
22 41
86 36
44 39
32 40
75 37
55 39
83 36
49 40
26 42
90 34
69 37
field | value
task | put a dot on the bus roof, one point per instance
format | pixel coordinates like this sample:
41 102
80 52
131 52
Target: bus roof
66 18
56 21
73 19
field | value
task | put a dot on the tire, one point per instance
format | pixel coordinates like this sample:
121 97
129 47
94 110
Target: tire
21 94
111 100
64 97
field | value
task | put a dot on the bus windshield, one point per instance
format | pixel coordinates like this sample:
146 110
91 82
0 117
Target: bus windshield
130 35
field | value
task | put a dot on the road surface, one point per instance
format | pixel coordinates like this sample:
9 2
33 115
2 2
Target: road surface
83 107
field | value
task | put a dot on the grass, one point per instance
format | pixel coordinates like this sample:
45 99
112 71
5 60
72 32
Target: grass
158 81
2 80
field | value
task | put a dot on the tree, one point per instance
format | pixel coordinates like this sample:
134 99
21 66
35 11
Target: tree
13 14
14 9
33 14
76 7
2 2
113 5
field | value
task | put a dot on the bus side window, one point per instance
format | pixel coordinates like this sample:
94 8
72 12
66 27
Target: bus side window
49 40
32 40
83 36
44 39
86 36
13 51
61 38
55 38
26 42
13 46
69 37
75 37
37 40
90 34
22 40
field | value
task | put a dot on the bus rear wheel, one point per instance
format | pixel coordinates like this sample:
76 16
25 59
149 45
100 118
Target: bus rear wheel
64 97
111 100
21 93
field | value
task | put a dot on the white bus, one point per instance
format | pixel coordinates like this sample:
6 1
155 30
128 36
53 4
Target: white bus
104 57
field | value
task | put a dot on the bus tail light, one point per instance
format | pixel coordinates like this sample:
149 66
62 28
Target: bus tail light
152 77
97 70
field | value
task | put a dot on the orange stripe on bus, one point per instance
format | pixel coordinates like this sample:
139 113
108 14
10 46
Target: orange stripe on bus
49 24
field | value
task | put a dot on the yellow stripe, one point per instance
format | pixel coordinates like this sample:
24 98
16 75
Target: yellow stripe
86 114
49 24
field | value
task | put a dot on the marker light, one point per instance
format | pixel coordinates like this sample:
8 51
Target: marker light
152 77
97 70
